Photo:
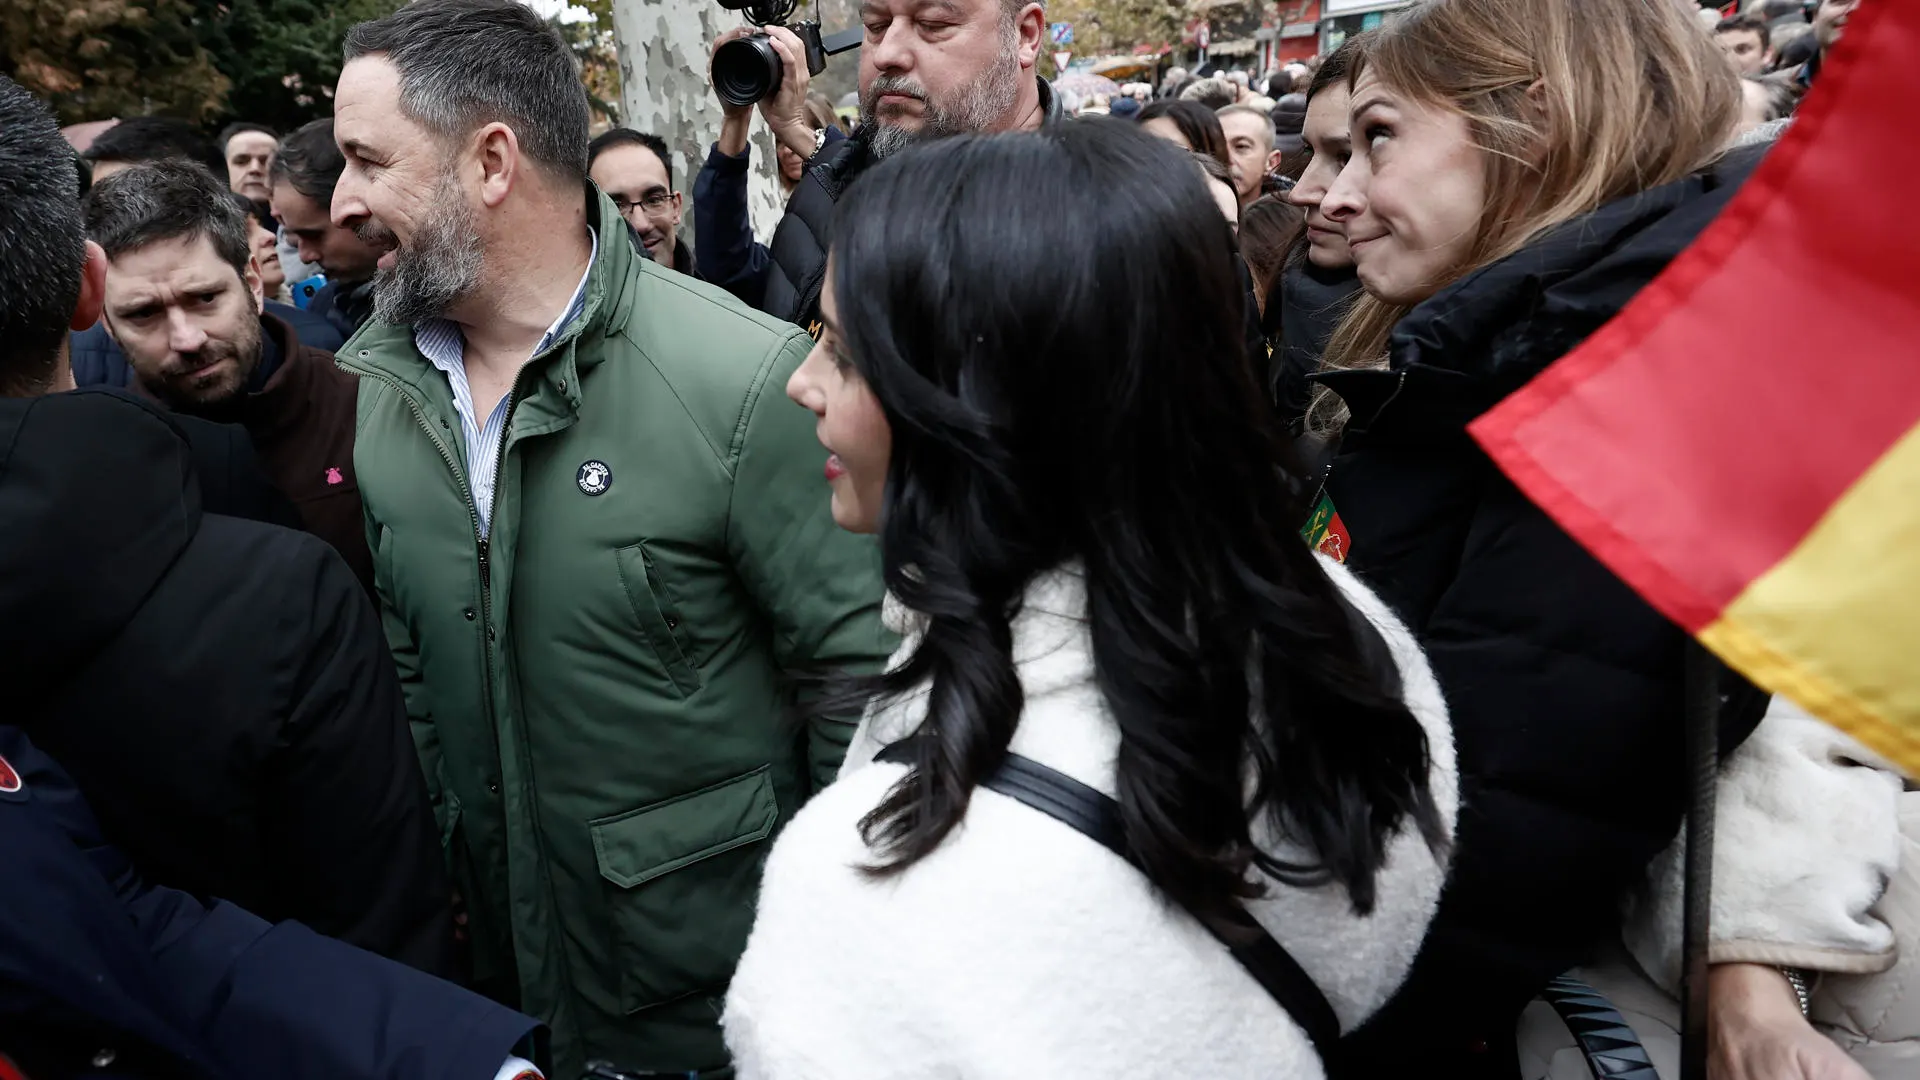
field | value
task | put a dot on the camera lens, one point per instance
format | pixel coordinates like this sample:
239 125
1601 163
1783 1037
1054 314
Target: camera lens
746 70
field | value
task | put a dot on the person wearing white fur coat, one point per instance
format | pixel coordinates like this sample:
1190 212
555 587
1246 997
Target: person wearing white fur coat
1816 868
1275 738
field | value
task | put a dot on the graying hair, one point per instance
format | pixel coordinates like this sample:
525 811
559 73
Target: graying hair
467 63
168 200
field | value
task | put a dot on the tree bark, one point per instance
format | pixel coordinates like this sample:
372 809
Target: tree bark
665 48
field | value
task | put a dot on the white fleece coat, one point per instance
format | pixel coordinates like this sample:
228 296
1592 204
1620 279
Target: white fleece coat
1022 949
1816 865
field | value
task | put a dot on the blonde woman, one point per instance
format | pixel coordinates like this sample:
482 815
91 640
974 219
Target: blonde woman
1519 169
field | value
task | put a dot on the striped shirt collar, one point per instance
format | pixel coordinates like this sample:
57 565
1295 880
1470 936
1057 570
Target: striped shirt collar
443 346
440 340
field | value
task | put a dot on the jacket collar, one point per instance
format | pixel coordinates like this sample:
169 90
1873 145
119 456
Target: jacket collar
1478 340
288 394
388 352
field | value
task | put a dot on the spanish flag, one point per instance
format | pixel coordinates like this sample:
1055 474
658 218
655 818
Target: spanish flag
1741 444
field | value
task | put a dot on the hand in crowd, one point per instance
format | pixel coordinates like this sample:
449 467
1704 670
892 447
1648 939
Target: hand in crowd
1759 1033
785 109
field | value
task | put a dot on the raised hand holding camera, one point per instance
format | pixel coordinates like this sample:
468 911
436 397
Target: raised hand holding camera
772 66
785 108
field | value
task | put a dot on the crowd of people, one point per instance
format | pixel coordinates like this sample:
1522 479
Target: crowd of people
1038 613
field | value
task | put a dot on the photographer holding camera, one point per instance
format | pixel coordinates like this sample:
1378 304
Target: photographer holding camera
925 71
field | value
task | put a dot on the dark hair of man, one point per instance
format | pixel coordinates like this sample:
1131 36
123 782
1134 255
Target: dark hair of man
167 200
467 63
156 138
1143 449
1334 68
242 127
1197 124
258 209
310 161
1747 24
43 248
607 140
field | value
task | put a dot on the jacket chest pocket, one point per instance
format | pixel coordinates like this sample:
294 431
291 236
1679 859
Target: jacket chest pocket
658 615
681 877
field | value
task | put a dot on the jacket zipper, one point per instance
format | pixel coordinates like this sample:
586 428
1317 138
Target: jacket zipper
473 510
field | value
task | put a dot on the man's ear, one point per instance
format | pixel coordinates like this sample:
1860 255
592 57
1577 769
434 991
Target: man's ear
497 150
1273 162
1031 33
255 286
93 288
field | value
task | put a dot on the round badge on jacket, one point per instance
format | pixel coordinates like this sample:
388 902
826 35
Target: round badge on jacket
594 478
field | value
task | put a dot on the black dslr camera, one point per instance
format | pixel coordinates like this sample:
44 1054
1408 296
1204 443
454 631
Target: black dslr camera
747 69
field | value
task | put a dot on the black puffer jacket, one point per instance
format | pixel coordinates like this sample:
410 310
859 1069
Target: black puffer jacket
219 689
1564 687
1303 310
801 240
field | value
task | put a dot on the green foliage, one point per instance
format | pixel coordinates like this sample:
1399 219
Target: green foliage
95 59
282 57
594 47
205 61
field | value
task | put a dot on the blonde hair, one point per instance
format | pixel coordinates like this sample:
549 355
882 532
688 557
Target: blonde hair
1572 105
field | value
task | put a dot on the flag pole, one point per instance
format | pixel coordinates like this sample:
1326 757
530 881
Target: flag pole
1702 719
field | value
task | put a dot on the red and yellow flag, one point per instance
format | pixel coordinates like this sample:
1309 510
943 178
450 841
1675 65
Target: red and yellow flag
1742 443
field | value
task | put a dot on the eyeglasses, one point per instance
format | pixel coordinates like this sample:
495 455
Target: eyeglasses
654 203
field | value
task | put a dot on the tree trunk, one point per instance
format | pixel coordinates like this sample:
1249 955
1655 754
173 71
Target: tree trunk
665 47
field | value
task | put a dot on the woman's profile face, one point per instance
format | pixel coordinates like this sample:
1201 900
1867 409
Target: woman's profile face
848 421
1325 133
1411 197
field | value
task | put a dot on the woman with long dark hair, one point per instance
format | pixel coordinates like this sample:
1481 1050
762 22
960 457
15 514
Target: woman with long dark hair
1089 531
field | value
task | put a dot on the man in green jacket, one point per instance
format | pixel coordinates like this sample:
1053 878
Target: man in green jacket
602 543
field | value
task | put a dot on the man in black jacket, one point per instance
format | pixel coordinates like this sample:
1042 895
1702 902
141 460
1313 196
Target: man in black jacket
220 689
925 71
104 976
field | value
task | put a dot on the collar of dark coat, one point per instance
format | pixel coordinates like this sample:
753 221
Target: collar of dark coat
1478 340
290 392
549 384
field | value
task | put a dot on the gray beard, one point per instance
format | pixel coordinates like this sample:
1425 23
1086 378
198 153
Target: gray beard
983 104
441 265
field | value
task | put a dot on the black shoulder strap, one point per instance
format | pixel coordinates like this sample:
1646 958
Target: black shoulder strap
1097 816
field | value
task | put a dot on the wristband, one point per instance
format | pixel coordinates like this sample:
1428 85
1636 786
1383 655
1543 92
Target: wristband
1798 980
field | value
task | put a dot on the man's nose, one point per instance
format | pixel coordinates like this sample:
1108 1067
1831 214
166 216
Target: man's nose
348 207
891 54
183 334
